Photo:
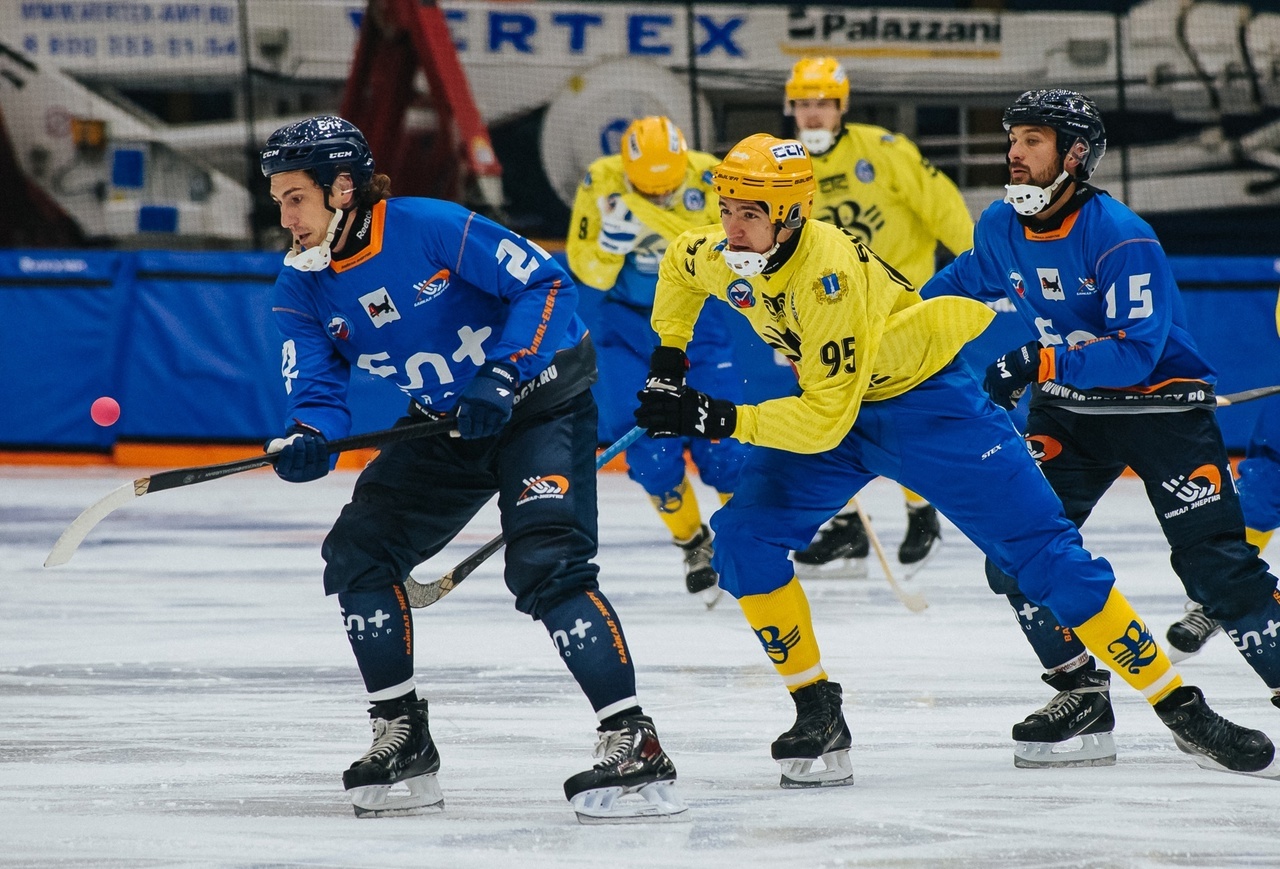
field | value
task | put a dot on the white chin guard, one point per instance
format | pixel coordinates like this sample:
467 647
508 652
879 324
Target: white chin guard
817 141
747 263
1029 199
317 258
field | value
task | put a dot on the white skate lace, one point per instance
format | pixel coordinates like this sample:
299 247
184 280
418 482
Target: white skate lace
1063 704
388 738
613 746
1199 623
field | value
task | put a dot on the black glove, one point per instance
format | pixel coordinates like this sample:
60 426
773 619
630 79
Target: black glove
685 413
1010 375
485 405
667 368
304 454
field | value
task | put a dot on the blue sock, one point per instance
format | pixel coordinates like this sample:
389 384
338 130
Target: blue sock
1054 645
588 635
1257 637
380 629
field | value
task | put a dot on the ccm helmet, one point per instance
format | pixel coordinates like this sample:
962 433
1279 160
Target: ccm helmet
654 155
774 172
325 145
818 78
1071 115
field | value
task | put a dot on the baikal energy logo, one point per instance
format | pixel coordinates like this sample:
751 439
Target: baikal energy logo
540 488
1202 486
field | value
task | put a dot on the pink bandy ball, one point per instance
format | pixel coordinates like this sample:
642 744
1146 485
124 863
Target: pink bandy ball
105 411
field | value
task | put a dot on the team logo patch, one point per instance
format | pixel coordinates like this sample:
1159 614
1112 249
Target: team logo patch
1043 448
379 307
741 295
1196 489
694 200
431 287
830 288
1134 649
777 645
707 177
551 486
1088 287
1018 286
338 328
586 180
1051 285
865 172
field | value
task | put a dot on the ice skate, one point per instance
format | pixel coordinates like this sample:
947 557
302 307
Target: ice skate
699 576
633 765
402 754
1072 729
1188 634
819 734
838 552
922 540
1212 740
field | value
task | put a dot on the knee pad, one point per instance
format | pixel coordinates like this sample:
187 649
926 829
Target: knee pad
720 463
657 464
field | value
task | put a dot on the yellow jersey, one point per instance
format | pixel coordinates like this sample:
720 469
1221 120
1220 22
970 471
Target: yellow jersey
852 325
694 204
879 188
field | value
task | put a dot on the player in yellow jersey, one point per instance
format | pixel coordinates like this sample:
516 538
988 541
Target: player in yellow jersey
875 185
881 394
627 210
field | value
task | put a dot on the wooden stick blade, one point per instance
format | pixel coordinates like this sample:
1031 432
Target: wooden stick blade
80 527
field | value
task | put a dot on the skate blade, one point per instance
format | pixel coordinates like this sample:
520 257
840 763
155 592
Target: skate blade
1094 749
711 596
1270 771
843 568
910 570
798 772
378 801
659 801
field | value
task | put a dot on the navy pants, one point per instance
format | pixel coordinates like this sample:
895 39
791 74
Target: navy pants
418 494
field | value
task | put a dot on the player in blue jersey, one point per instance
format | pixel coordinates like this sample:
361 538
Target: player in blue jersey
474 323
628 208
1118 382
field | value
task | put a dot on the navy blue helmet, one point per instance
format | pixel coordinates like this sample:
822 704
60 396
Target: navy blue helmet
325 145
1073 116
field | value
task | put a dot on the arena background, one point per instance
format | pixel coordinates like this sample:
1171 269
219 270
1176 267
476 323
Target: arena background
139 245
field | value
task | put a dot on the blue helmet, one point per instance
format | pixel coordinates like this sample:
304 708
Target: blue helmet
324 145
1071 115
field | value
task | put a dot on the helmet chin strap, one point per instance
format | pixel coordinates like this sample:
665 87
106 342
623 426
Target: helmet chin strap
817 142
1031 199
317 258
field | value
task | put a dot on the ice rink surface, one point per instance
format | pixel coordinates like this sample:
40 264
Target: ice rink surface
181 694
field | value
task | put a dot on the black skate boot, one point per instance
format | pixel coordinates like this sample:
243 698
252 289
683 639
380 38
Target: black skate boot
820 733
632 762
1072 729
840 550
699 576
402 751
1188 634
1212 740
923 536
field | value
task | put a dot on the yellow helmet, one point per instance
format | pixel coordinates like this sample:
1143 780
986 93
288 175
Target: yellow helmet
776 172
654 155
818 78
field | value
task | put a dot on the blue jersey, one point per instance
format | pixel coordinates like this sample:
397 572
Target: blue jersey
1098 290
437 292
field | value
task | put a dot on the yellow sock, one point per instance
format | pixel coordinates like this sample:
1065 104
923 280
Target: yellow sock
679 511
782 624
1118 638
913 500
1258 538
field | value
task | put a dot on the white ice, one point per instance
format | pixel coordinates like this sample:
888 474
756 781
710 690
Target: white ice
181 694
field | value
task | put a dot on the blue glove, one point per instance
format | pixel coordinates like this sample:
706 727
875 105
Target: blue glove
304 454
1010 375
485 405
